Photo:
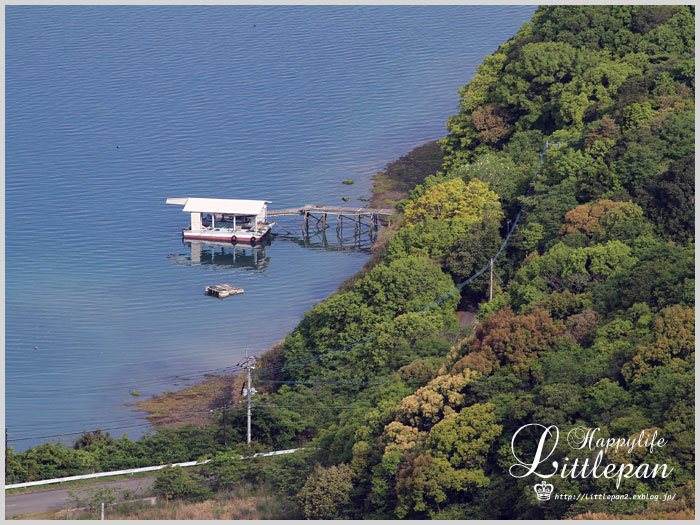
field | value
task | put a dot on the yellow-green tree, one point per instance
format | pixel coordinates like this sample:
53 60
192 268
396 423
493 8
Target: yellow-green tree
673 341
440 398
472 202
464 439
326 493
453 462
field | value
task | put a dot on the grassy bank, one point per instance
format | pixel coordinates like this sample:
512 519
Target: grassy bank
245 502
402 175
192 405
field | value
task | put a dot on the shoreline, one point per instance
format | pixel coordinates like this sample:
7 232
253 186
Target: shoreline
186 406
192 404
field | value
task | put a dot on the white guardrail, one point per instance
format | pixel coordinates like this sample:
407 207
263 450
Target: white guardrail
136 470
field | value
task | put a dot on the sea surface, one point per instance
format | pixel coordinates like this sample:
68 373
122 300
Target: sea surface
112 109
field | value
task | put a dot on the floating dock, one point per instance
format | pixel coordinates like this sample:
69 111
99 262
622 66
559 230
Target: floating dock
222 290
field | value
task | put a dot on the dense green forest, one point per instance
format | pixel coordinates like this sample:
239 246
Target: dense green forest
591 322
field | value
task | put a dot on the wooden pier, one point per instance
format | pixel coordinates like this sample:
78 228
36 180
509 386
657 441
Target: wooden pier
343 213
334 210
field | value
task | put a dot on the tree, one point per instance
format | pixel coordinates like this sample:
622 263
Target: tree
493 123
539 74
465 438
582 326
566 268
676 134
404 286
419 372
605 220
664 276
603 131
546 207
400 437
177 482
421 485
439 398
452 464
454 198
603 399
224 469
649 17
91 439
635 115
54 461
405 329
638 164
95 496
587 218
326 493
673 340
561 305
472 252
669 199
594 27
508 179
514 340
463 135
431 238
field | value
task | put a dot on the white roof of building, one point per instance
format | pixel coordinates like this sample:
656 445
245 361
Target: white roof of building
228 206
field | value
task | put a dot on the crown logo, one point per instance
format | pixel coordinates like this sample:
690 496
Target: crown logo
543 490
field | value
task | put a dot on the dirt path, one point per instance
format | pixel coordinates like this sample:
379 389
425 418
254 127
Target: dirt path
59 498
467 318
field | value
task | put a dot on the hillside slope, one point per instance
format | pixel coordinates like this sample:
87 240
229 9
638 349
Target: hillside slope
592 322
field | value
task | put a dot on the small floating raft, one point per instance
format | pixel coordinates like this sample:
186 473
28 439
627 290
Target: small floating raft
222 290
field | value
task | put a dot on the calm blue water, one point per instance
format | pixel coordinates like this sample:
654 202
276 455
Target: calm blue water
275 103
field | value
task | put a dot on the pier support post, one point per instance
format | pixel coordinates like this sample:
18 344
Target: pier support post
305 225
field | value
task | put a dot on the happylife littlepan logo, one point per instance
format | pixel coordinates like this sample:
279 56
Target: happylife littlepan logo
592 467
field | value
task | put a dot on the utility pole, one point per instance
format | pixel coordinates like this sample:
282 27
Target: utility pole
224 421
491 280
249 392
6 453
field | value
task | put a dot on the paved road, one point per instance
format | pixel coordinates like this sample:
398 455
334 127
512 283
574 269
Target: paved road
58 498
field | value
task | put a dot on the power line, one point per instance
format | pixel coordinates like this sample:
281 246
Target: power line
301 363
75 433
90 389
306 406
321 382
104 426
439 300
292 365
92 368
172 419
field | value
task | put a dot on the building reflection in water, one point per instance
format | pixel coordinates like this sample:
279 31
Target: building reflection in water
223 255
